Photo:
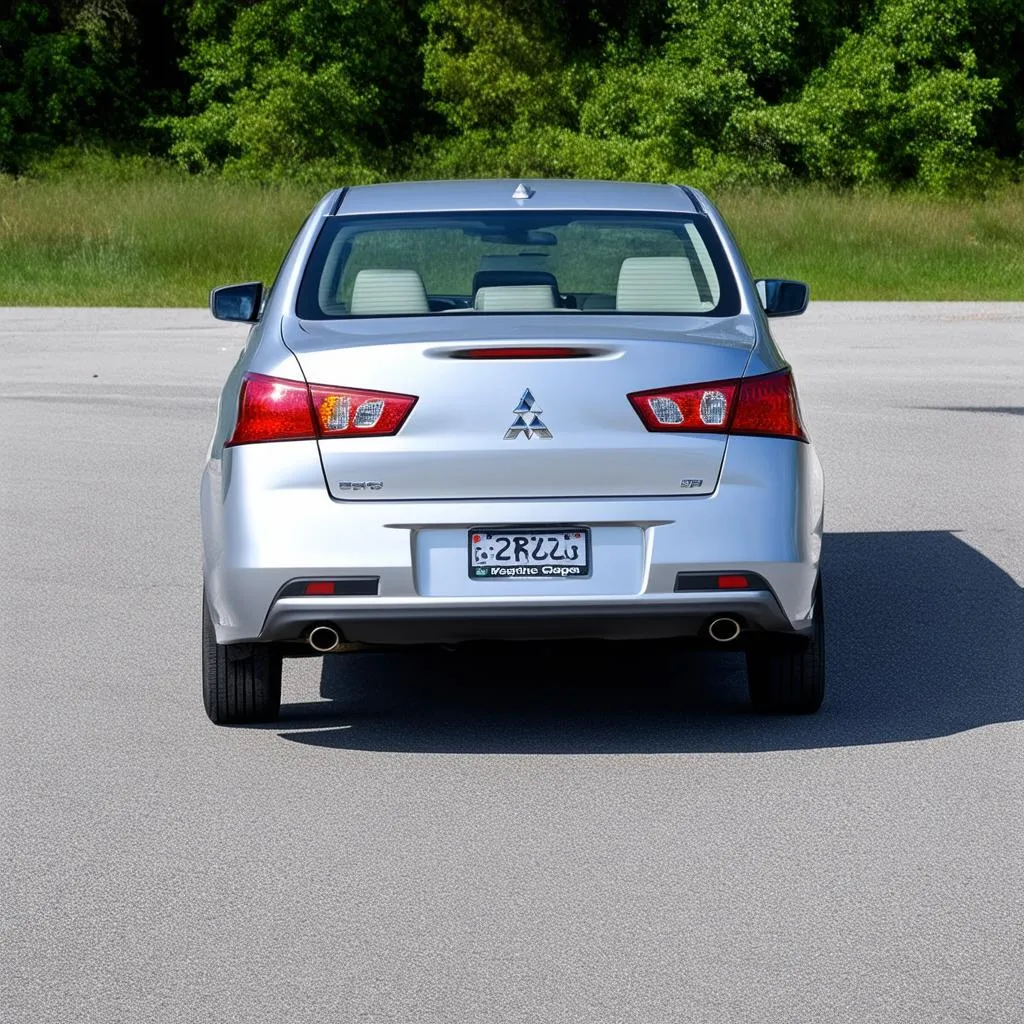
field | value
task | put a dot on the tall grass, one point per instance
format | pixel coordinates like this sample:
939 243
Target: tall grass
884 246
110 233
152 236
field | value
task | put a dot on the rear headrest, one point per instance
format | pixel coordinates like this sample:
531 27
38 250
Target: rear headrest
516 298
658 284
382 292
498 278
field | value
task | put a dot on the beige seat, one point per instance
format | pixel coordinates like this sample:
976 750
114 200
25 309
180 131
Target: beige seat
658 284
522 298
383 292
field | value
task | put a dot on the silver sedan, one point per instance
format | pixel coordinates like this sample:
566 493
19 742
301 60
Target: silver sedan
508 411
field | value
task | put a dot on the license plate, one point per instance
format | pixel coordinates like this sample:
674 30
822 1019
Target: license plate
557 554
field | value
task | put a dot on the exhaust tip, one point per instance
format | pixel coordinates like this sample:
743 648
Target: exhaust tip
324 639
723 629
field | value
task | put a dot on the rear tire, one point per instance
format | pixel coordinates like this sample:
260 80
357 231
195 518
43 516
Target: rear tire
241 682
786 675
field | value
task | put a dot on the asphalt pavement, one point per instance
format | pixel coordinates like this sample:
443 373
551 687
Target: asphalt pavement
553 835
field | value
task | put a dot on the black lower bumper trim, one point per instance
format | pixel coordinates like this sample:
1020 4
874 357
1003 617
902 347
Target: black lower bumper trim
756 611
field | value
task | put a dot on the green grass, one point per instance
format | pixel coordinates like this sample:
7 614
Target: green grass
888 246
102 233
154 237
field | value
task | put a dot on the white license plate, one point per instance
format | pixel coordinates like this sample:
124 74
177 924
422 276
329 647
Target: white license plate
550 553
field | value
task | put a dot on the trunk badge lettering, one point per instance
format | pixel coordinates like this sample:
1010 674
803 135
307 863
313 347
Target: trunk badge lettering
527 420
360 485
690 483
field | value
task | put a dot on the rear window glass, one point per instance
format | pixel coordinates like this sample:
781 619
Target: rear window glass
517 262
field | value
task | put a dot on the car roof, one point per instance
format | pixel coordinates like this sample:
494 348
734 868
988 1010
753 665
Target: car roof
506 194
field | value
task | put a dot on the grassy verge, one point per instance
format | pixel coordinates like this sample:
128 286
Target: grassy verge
135 235
151 237
885 246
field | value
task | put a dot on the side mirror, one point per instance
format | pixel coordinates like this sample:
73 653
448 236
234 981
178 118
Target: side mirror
783 298
238 302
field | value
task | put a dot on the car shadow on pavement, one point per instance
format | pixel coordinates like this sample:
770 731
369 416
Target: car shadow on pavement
925 639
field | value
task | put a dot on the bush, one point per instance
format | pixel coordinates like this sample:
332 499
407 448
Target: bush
859 93
62 80
900 102
300 88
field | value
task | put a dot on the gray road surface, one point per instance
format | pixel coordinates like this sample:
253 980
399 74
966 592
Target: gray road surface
530 838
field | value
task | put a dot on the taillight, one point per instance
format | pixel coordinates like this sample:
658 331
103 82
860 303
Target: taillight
765 405
345 412
768 405
272 409
706 407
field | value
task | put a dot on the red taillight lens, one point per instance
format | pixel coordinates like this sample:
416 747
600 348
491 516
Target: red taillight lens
272 409
768 405
345 412
705 407
765 405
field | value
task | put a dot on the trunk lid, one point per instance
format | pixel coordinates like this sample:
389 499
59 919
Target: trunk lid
520 428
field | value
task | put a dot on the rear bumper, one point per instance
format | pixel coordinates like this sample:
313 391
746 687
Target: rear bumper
268 520
644 617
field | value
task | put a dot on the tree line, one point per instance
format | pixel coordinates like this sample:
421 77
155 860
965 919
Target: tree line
717 92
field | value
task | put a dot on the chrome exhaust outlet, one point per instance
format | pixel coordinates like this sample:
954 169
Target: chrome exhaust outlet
723 629
324 639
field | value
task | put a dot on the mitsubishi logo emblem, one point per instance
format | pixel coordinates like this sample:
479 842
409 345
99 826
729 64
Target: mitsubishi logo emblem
527 420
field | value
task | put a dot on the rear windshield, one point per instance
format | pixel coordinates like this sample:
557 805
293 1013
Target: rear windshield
517 262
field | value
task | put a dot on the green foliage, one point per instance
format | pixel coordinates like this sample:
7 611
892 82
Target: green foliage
859 93
676 113
495 63
70 74
996 34
307 88
55 76
901 101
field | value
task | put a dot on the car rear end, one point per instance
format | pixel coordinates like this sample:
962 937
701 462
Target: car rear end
564 419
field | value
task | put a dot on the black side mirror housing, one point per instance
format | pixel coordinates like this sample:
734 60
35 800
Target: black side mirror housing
237 302
783 298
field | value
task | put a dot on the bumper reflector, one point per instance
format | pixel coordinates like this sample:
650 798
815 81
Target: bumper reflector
320 587
733 583
345 586
688 581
